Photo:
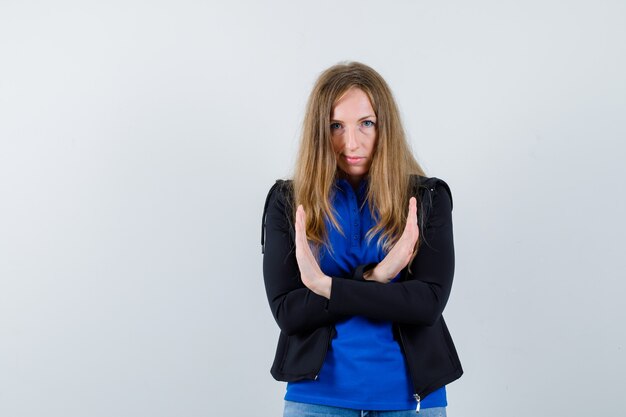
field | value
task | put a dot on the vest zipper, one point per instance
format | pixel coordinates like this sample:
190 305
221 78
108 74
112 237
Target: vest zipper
415 395
330 336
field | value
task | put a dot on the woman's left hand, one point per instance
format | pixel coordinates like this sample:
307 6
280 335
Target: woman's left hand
401 253
310 273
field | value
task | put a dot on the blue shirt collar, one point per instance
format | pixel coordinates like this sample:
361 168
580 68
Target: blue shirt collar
344 185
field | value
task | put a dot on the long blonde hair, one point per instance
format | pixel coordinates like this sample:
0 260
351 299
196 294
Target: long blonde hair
316 165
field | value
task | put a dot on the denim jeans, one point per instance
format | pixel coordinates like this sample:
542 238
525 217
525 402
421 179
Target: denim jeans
296 409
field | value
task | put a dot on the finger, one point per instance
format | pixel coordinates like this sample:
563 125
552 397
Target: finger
412 206
304 238
299 215
411 220
413 211
416 228
301 238
299 225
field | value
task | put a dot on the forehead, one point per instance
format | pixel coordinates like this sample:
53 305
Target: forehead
354 103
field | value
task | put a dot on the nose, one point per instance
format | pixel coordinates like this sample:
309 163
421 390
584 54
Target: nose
351 139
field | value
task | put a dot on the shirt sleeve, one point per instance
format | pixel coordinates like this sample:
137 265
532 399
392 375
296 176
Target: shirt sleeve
418 298
294 307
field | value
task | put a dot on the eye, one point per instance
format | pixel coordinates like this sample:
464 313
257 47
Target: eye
335 126
368 123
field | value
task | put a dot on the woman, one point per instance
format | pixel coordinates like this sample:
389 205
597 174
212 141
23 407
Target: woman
357 285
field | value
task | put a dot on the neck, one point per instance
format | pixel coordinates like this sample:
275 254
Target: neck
353 180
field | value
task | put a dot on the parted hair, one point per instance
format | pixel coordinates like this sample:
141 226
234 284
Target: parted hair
316 164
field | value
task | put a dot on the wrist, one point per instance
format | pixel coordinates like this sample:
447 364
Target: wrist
378 274
323 286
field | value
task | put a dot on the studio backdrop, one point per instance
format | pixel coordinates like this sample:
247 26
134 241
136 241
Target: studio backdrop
138 141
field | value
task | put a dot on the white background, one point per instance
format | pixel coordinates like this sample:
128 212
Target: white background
138 140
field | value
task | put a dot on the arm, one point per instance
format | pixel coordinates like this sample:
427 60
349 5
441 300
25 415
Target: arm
421 298
294 307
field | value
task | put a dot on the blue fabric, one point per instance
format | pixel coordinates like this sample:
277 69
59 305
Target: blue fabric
296 409
364 368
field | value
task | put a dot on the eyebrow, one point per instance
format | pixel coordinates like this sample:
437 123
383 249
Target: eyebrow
370 116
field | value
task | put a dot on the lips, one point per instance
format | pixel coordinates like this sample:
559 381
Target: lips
353 159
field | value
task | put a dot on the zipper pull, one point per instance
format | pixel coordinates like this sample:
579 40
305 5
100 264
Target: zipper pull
417 398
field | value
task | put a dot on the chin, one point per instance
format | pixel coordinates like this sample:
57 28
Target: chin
354 172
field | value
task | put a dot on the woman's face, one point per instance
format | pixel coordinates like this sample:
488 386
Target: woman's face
353 134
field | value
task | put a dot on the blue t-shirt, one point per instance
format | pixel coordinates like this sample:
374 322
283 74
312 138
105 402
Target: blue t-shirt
364 368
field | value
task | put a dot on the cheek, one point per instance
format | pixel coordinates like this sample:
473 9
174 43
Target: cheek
372 145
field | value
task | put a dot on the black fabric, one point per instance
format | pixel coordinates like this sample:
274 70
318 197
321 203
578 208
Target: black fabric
415 303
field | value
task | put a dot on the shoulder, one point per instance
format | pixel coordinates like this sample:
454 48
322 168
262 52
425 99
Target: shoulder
277 208
279 197
280 192
430 187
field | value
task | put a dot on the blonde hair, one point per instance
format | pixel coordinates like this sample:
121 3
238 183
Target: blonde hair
316 165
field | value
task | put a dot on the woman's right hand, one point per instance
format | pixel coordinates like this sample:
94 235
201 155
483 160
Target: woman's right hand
400 255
